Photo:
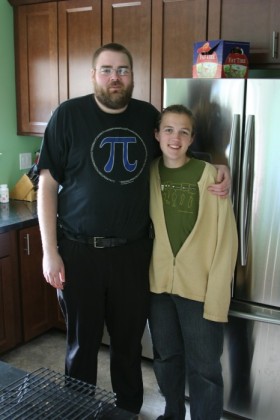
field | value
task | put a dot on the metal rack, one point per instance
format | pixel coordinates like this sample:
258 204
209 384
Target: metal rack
44 394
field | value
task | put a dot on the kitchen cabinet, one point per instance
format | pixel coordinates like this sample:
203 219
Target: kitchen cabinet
54 42
160 36
176 25
37 296
62 37
135 34
10 325
245 20
36 59
28 305
79 35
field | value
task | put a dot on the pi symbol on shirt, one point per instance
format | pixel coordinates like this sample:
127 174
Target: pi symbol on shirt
119 155
124 142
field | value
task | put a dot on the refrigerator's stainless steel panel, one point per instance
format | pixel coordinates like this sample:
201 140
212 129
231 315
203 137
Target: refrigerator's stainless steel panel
251 364
251 369
218 107
259 281
215 103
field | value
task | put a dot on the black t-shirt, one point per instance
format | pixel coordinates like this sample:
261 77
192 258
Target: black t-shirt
102 163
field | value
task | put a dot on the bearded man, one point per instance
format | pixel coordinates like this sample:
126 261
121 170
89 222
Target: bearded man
93 210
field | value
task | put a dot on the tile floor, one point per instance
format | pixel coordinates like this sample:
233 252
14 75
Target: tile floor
48 351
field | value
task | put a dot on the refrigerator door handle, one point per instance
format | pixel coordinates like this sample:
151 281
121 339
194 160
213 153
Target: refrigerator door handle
234 160
253 312
246 188
275 42
254 317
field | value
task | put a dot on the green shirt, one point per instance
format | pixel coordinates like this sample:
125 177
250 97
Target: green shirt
180 197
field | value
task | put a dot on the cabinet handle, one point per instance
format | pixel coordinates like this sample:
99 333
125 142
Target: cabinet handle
275 40
27 243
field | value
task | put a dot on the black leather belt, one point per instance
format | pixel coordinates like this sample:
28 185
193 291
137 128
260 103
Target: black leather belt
101 241
96 241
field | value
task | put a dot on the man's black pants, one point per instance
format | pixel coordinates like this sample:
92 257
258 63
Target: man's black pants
108 285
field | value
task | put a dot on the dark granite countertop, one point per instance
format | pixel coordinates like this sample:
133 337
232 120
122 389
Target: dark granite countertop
17 215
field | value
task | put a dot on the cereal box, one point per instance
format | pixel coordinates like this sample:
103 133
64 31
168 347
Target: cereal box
221 59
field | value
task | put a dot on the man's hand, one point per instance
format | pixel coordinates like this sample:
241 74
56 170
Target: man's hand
223 182
53 269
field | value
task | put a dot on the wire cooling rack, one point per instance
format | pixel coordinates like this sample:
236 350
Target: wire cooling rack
45 394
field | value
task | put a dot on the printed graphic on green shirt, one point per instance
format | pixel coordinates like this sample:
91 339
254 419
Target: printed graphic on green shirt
180 196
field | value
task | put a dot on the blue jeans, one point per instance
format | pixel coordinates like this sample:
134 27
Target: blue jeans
187 345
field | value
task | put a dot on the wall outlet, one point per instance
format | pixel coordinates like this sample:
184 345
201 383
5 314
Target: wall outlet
25 161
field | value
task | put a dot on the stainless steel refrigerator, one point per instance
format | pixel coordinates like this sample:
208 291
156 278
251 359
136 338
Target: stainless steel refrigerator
238 123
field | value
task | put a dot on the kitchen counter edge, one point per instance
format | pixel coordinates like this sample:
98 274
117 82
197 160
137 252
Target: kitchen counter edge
17 214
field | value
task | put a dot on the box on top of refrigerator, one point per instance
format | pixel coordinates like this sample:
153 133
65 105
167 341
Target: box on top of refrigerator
221 59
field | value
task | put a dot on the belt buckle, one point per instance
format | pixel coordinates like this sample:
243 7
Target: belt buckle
95 240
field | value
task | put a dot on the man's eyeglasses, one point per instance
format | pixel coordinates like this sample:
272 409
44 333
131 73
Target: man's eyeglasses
108 71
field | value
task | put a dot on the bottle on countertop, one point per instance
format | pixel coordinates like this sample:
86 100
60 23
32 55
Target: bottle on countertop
4 193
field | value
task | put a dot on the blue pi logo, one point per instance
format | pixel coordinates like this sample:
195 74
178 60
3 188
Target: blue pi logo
124 141
119 155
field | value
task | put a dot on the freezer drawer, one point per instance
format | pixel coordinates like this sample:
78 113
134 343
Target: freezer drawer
251 368
251 362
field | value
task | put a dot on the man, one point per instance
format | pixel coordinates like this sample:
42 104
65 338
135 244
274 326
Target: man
93 201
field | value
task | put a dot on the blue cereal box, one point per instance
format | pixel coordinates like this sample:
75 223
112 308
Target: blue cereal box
221 59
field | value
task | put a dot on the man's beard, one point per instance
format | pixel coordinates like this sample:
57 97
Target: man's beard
113 100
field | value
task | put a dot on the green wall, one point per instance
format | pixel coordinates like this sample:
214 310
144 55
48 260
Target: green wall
10 143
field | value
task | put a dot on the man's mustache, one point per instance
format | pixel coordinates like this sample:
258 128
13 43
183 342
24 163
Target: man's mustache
114 84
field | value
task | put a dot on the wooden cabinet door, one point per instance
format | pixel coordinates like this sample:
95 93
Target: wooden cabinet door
176 26
79 32
255 21
129 23
36 65
37 295
10 325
